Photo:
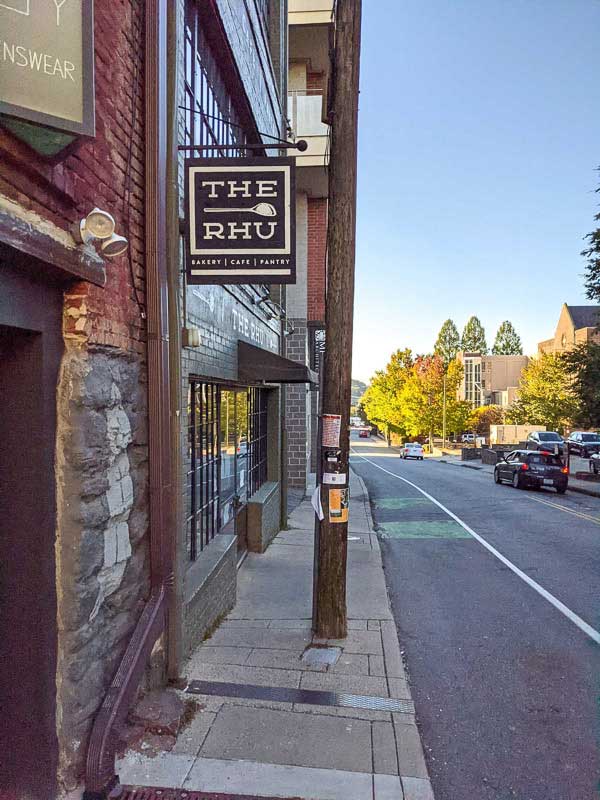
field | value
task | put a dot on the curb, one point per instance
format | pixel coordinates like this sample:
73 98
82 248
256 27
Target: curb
366 501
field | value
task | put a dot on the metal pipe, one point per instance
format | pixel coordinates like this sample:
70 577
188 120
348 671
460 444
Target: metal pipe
100 767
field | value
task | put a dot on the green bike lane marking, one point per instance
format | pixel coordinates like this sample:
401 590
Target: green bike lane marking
421 529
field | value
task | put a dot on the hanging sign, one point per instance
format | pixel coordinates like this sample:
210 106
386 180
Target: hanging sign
240 220
47 63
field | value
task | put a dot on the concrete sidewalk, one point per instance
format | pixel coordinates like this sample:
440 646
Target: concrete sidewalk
290 746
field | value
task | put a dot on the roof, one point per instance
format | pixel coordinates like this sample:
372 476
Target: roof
584 316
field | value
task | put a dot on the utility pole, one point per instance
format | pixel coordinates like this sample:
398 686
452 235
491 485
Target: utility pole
331 535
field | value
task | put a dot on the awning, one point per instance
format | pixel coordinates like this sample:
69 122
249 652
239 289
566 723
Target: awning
256 365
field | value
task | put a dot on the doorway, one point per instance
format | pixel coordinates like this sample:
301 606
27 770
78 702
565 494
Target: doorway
30 351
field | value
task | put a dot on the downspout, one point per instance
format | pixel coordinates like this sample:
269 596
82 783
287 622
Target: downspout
100 767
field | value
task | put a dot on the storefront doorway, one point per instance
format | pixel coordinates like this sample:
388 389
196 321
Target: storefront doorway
30 351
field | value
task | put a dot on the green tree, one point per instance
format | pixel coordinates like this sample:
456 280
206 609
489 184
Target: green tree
381 401
508 341
473 337
592 270
447 344
583 364
546 395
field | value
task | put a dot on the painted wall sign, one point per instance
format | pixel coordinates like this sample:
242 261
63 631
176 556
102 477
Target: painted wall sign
47 63
240 220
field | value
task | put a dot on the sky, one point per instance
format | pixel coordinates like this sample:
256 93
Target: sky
479 141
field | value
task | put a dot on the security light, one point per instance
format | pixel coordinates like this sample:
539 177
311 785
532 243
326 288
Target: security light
115 246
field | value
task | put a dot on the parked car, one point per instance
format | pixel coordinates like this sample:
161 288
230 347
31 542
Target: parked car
595 463
412 450
584 443
526 468
468 438
364 433
546 440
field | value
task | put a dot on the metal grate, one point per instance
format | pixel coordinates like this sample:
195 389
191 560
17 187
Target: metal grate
140 793
311 697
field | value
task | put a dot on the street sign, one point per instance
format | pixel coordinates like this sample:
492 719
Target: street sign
240 220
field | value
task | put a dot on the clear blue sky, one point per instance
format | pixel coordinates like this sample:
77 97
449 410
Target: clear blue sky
478 144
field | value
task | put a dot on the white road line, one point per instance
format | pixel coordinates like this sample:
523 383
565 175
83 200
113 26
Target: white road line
570 615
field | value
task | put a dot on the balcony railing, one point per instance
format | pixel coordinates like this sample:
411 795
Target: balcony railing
305 110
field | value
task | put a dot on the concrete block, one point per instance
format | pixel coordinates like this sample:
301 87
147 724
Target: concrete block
417 789
258 676
165 769
399 689
338 682
376 666
391 650
385 759
279 640
411 761
357 642
218 655
352 664
282 659
387 787
280 737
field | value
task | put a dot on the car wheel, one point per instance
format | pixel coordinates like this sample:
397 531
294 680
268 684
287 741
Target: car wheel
497 476
516 481
561 489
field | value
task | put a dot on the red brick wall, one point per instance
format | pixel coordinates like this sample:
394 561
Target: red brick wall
317 247
314 81
95 174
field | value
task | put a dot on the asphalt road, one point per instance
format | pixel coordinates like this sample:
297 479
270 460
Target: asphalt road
506 685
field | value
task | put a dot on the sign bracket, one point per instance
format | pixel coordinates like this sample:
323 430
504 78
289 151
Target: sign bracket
300 145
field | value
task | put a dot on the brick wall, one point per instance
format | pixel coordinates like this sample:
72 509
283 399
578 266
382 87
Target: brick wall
317 249
315 81
96 174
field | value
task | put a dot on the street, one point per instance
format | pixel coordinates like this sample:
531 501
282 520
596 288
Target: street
504 672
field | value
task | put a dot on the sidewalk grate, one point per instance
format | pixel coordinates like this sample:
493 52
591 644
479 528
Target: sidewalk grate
311 697
140 793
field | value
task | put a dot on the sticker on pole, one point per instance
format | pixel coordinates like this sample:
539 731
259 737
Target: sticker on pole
334 478
332 425
338 505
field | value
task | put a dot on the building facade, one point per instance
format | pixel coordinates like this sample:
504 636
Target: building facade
576 325
309 31
142 418
73 378
489 379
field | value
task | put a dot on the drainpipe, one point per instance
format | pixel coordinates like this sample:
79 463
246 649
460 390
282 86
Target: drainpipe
100 767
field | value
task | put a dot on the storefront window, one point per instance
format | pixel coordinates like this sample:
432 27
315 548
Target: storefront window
227 457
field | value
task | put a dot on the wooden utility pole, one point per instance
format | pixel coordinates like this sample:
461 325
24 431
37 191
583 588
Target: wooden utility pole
329 599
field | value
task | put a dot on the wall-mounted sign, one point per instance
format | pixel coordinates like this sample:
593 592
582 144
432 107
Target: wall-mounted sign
240 220
47 63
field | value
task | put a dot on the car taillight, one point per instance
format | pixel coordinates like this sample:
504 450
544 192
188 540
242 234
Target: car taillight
524 467
565 470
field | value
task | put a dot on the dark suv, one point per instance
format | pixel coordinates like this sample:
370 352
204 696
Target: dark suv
525 468
584 443
546 440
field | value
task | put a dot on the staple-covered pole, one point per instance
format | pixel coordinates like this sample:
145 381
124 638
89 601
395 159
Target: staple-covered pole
329 601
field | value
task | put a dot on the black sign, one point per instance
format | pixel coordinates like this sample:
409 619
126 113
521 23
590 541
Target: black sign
240 220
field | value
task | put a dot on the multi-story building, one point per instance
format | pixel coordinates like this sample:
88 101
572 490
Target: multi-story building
576 325
310 23
489 379
142 440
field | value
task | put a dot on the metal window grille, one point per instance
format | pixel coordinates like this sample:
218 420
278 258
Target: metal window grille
210 116
204 465
257 439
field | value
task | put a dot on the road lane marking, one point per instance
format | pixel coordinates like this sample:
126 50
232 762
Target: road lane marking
595 520
570 615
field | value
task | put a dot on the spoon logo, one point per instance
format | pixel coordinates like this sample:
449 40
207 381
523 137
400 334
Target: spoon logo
239 220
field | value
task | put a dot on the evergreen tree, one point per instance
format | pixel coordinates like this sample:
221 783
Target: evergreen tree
583 363
473 338
592 270
508 341
448 342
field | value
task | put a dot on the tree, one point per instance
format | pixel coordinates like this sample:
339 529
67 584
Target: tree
481 418
546 395
448 342
508 341
473 338
381 400
583 364
592 270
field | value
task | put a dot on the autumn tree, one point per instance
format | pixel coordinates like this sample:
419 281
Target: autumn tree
447 343
508 341
481 418
381 401
473 337
546 395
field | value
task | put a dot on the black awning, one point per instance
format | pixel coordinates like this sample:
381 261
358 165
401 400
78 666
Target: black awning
256 365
